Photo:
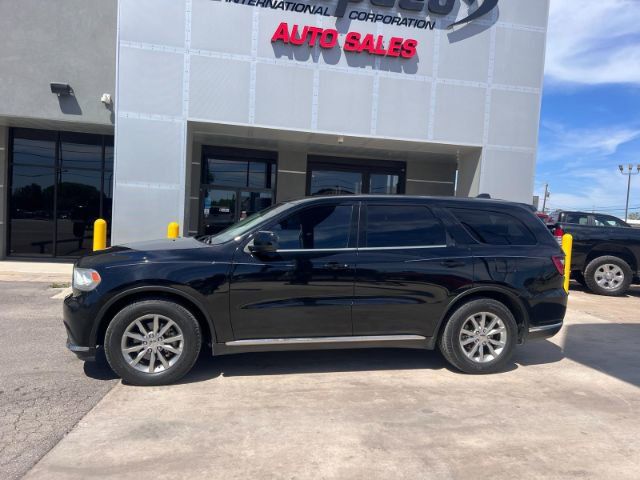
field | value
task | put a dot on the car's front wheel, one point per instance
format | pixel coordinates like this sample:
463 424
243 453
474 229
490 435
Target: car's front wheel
152 342
480 336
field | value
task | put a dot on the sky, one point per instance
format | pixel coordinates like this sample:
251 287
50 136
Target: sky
590 120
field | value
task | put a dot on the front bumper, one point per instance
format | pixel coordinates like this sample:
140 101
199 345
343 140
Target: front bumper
87 354
544 331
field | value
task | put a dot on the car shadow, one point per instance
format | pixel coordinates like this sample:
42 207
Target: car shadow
634 290
325 361
99 369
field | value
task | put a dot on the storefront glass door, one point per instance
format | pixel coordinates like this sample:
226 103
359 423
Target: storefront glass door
345 176
236 183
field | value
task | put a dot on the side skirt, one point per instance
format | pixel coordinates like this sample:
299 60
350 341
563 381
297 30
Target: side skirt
324 343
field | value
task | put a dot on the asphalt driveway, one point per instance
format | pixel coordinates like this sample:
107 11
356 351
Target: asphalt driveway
44 389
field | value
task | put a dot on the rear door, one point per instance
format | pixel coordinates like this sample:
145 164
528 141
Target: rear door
408 269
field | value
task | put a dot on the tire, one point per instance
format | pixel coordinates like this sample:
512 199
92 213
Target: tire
452 338
595 275
171 321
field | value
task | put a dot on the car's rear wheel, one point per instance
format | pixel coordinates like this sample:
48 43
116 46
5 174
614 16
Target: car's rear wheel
608 275
152 342
479 337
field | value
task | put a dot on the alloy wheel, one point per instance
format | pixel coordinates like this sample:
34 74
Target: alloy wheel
152 343
609 276
483 337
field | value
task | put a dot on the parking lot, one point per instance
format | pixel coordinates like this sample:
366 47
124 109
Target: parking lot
567 408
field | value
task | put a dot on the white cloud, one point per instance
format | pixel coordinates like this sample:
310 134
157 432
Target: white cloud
594 42
561 141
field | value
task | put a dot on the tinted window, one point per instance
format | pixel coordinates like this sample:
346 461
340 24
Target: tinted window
402 226
577 218
325 226
607 221
494 228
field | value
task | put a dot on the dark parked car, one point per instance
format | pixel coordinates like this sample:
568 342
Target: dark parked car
606 250
474 277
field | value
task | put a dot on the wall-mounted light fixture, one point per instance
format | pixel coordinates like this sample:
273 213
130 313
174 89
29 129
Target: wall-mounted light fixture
61 89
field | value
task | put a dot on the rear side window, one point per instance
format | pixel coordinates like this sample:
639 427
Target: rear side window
494 228
402 226
577 218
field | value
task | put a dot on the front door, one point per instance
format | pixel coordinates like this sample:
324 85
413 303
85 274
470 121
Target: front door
305 289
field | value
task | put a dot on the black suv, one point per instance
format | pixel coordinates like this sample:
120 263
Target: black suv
471 276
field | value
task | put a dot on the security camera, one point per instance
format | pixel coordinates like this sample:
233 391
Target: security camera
106 99
61 88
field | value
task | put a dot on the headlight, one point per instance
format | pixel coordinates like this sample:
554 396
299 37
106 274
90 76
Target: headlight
85 279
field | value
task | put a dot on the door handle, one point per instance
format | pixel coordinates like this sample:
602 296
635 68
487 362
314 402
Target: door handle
336 266
452 263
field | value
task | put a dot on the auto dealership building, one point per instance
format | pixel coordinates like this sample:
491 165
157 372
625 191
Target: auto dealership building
145 112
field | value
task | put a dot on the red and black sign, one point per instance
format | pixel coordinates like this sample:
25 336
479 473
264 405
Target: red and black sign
353 41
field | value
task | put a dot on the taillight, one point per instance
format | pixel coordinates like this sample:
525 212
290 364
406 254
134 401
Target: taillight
558 233
558 261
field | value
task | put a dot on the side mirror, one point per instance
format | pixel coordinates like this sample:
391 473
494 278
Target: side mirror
264 242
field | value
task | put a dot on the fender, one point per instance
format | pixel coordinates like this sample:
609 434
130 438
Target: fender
480 290
151 289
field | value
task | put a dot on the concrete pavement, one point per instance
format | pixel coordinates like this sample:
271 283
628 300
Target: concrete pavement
17 271
567 408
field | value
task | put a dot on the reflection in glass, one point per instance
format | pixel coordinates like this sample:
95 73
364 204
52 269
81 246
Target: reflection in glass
383 184
219 210
34 147
226 172
257 174
327 182
80 150
253 202
317 227
31 223
77 208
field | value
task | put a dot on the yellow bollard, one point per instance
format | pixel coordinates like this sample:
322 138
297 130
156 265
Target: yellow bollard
99 234
173 230
567 246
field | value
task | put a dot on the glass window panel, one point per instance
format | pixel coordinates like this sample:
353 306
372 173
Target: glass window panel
326 226
257 174
327 182
219 210
230 173
32 190
34 147
253 202
107 202
403 226
81 150
108 153
494 228
383 184
78 207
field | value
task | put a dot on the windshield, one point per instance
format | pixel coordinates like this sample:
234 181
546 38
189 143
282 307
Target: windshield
243 226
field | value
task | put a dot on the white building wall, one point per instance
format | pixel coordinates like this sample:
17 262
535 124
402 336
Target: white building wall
213 61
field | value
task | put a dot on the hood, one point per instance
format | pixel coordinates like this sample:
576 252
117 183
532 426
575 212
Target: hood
162 250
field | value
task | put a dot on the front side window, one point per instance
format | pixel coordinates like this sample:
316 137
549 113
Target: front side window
494 228
321 227
402 226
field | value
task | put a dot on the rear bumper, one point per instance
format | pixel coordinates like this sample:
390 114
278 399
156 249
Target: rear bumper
544 331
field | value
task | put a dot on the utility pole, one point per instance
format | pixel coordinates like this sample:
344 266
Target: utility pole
546 195
628 173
